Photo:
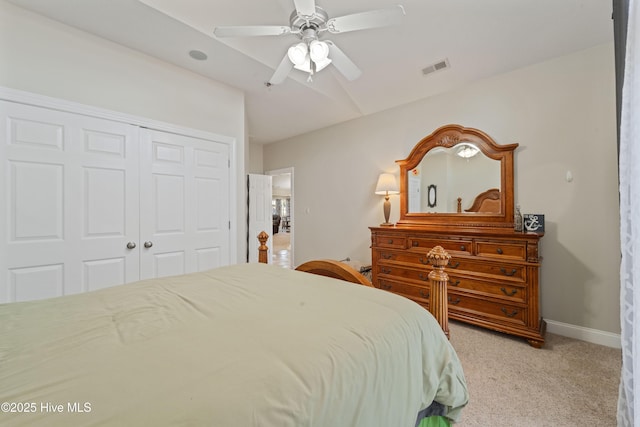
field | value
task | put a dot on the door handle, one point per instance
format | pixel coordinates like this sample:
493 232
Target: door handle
131 245
148 244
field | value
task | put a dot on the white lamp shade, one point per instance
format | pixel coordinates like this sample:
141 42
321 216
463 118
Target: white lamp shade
387 184
298 53
306 65
319 51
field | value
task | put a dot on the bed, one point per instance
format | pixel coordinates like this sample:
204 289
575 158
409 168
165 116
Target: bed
487 201
242 345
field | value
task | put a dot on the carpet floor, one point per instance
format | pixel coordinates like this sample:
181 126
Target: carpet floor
566 383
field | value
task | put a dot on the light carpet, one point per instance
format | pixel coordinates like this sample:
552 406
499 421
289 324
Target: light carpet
566 383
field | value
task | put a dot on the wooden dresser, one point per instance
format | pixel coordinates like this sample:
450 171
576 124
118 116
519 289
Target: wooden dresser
493 273
457 192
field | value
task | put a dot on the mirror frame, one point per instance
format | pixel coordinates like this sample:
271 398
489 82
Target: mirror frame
449 136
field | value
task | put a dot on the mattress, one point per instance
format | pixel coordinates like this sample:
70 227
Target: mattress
250 345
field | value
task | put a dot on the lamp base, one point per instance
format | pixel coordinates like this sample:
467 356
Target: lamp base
387 212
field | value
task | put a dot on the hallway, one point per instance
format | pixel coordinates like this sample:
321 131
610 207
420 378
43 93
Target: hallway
281 252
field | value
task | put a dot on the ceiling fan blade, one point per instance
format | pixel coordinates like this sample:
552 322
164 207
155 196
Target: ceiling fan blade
305 7
342 62
251 31
282 71
371 19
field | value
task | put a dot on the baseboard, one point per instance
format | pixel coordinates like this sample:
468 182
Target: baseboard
594 336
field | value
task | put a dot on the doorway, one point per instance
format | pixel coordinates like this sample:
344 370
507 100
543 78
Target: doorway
283 221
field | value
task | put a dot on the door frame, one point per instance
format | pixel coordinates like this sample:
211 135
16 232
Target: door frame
292 229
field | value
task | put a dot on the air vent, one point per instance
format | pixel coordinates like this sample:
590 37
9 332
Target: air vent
436 67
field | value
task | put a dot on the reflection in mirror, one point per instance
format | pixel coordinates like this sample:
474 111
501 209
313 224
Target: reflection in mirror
459 172
485 177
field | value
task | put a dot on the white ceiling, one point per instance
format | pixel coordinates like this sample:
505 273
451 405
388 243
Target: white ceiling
281 183
479 38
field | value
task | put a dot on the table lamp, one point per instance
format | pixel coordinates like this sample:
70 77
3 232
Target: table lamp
387 185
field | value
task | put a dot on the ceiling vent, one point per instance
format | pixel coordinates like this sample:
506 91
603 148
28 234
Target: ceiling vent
444 64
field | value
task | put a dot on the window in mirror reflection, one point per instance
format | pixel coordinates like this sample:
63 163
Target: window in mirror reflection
454 176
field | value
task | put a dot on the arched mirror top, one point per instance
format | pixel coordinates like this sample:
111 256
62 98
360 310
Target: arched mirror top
457 175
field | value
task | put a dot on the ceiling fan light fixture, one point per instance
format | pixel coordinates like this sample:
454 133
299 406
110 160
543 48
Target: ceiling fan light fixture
320 64
466 151
298 54
319 51
306 65
308 22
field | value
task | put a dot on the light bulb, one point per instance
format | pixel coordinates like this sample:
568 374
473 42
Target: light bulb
318 51
298 53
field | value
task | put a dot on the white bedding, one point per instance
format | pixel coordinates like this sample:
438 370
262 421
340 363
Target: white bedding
245 345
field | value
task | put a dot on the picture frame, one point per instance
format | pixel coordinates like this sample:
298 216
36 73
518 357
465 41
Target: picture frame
533 223
432 196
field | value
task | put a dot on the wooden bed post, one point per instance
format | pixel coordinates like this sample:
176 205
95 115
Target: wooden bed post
438 305
263 250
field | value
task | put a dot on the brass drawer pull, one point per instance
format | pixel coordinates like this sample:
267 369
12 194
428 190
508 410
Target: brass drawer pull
387 256
504 271
513 313
424 261
509 294
415 243
453 265
385 286
452 283
424 294
499 250
456 302
386 270
463 248
390 242
424 277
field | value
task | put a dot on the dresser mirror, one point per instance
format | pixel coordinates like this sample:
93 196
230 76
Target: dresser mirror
457 175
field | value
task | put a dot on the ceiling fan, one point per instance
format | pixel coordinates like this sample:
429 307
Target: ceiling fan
309 23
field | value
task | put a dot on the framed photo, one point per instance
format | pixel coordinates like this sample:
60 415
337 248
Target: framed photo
534 223
432 196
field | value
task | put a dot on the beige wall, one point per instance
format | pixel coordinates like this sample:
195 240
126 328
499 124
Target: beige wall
255 159
561 112
41 56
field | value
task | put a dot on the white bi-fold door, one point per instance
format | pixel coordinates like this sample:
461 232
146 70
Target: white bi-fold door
69 203
184 204
81 196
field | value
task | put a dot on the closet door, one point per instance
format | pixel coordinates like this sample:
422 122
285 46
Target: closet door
69 203
184 204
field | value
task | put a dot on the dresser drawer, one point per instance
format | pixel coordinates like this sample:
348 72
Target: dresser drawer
509 291
407 257
502 270
503 250
419 274
389 241
461 305
457 265
417 293
460 246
